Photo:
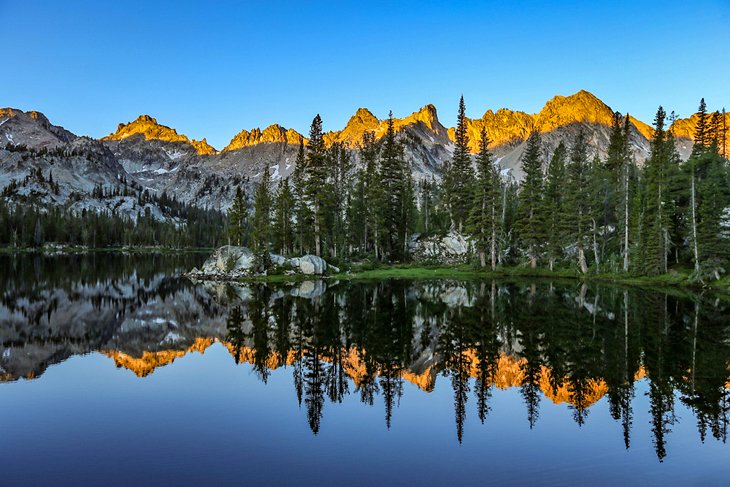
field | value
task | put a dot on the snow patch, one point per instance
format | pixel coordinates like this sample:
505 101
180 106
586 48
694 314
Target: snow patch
174 155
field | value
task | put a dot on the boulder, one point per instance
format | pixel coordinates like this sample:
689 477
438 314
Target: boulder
228 259
309 265
449 249
231 263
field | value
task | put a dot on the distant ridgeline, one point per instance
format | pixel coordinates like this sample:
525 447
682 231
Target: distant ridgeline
576 185
107 218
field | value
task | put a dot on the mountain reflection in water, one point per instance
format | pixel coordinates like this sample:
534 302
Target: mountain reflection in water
569 343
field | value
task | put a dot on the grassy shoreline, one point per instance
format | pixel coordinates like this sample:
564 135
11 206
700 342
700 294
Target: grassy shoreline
675 279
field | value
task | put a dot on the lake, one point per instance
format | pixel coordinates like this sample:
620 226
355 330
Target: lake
117 370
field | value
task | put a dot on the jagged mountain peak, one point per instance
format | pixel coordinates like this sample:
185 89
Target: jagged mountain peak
273 134
582 106
363 115
150 129
31 128
427 115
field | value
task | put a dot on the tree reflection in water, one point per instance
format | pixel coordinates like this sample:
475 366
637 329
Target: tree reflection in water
570 343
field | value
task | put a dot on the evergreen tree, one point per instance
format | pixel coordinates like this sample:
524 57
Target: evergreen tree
238 219
374 195
303 215
341 168
658 206
283 216
392 183
460 174
261 231
709 199
531 210
317 189
555 186
483 221
577 203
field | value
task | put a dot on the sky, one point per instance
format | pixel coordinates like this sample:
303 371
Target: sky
210 69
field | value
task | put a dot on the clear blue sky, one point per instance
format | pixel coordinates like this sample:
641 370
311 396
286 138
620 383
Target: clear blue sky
212 68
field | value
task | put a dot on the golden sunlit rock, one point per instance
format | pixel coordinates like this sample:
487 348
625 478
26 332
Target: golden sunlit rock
151 130
273 134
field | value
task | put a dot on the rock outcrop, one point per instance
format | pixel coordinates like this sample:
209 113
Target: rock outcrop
230 263
273 134
452 248
147 127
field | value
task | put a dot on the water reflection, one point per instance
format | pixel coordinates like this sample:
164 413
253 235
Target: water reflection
566 343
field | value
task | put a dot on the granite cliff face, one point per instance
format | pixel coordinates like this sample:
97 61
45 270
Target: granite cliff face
155 157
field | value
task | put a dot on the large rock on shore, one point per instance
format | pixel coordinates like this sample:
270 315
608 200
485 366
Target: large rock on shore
452 248
231 262
309 265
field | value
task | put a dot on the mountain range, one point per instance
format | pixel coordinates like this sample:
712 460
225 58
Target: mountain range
149 155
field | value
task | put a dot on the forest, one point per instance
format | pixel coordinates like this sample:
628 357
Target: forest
571 210
33 224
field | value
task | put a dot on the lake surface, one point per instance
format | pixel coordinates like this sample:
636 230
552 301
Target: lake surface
117 370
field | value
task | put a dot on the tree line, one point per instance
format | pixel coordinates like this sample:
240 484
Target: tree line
34 224
571 210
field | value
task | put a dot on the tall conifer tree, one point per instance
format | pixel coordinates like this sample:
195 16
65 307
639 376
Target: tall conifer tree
484 217
531 210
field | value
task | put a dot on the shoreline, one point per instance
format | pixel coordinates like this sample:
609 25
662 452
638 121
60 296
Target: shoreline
676 279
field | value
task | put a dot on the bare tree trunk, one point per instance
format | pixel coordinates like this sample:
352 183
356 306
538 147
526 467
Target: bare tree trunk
494 241
626 219
582 260
595 246
694 223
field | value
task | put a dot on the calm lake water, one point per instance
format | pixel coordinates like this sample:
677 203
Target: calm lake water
117 370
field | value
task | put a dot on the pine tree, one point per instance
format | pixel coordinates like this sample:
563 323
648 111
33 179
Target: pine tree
483 220
555 186
392 183
317 189
709 199
261 231
238 219
409 211
283 216
598 182
577 204
656 233
531 210
460 174
627 172
341 167
303 215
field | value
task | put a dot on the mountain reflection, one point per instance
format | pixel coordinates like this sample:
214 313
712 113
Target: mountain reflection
568 343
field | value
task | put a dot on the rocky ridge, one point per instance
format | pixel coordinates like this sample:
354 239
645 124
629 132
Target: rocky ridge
157 158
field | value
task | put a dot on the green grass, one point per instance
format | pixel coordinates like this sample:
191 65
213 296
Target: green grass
676 278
